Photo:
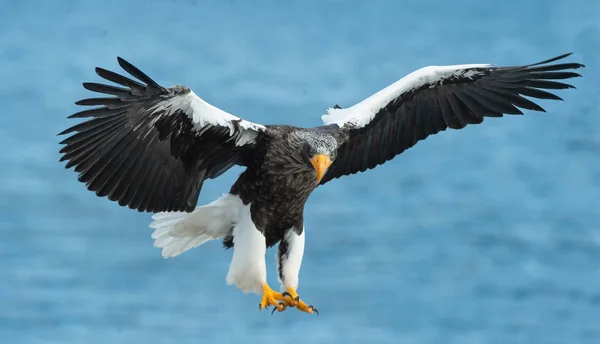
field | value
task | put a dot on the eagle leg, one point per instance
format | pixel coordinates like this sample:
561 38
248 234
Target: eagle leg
293 300
271 298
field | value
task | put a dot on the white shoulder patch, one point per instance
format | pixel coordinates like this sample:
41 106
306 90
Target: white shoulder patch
203 113
362 113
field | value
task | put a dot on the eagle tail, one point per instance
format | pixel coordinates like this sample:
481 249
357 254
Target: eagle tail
177 232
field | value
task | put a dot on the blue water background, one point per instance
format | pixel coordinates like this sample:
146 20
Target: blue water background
490 234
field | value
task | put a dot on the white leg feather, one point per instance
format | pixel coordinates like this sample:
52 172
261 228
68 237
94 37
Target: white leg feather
177 232
248 270
289 259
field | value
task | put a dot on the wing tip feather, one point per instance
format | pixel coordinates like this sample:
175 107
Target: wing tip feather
121 61
137 73
574 65
65 132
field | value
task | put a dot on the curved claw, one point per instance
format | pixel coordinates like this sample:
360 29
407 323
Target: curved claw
271 298
280 308
314 309
286 294
293 301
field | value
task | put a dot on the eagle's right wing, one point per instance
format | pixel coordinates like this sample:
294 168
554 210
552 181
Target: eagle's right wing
150 147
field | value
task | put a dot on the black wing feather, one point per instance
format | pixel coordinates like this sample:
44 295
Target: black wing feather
451 103
133 151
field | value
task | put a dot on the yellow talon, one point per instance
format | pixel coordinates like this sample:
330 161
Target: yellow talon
293 300
271 298
291 297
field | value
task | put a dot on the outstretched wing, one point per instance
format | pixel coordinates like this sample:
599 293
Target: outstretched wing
150 147
432 99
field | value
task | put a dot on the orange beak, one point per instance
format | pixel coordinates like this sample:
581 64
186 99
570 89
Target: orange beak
321 163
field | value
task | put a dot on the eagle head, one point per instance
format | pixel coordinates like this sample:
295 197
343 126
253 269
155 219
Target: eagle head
319 150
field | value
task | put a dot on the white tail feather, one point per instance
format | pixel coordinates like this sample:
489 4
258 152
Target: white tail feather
177 232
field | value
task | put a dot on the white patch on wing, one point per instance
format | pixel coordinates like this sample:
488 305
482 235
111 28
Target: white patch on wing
291 261
362 113
203 113
177 232
248 269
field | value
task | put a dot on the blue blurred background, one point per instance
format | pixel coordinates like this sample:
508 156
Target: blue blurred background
490 234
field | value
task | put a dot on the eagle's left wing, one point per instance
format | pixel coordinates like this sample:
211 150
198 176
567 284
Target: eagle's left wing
432 99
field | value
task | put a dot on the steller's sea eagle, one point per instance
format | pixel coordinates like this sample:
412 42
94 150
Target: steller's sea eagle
151 148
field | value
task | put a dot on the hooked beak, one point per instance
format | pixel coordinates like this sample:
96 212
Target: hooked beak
321 163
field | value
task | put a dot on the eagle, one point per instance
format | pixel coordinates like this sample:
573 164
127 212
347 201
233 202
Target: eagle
150 148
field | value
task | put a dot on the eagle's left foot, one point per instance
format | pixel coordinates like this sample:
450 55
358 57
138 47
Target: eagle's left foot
293 300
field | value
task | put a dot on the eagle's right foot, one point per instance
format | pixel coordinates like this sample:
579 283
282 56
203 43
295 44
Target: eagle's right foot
271 298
